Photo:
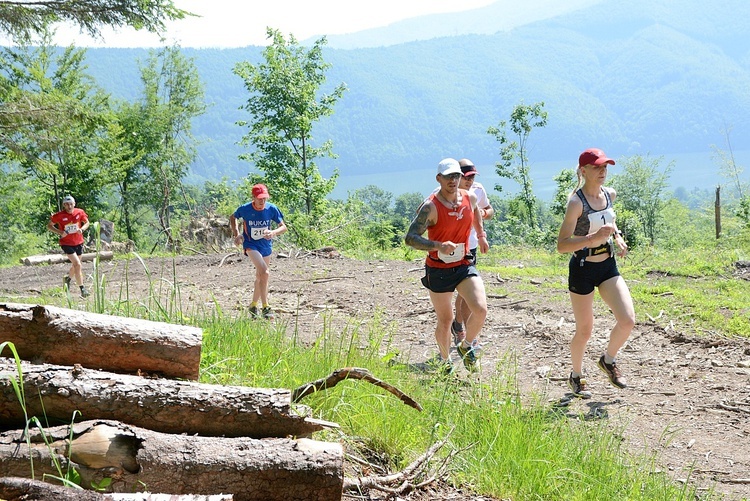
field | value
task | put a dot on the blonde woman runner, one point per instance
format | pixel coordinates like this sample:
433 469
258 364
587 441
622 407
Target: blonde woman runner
590 233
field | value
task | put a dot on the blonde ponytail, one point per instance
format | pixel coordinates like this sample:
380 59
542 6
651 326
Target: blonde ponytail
580 180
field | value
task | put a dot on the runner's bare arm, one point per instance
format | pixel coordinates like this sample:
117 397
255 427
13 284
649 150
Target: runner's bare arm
417 228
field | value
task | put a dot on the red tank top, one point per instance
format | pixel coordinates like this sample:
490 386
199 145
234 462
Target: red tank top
454 225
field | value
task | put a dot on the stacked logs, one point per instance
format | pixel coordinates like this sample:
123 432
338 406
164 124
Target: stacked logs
141 421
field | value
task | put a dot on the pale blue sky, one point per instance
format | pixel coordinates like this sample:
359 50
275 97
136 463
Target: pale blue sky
238 23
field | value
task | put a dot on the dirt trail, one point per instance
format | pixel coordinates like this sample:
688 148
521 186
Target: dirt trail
689 396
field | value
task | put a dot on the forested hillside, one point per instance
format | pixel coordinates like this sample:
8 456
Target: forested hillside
642 77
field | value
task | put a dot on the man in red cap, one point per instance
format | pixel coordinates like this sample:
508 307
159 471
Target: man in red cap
258 217
69 224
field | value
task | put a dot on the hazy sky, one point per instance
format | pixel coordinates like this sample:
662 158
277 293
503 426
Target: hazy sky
238 23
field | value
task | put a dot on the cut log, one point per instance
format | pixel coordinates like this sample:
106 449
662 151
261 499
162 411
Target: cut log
67 337
136 460
25 489
53 393
62 258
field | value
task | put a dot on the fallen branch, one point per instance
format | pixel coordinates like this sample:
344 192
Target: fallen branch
514 303
225 258
329 279
351 373
722 405
404 481
419 312
654 319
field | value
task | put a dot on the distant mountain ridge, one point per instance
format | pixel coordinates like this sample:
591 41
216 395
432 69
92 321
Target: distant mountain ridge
503 15
638 77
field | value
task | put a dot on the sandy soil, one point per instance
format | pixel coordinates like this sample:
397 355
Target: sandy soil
689 394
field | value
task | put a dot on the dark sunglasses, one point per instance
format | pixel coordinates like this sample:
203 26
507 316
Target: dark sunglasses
452 177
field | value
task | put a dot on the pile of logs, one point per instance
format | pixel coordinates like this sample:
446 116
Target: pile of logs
117 399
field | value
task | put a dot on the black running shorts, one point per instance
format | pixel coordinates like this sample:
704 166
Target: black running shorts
447 279
583 279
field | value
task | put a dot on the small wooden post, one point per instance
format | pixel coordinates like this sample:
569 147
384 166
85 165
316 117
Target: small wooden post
717 212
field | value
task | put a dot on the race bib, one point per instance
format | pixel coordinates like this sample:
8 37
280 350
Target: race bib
258 233
71 228
455 256
599 219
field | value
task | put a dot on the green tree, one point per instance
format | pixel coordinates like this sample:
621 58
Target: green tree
284 105
59 147
513 137
158 130
642 190
22 20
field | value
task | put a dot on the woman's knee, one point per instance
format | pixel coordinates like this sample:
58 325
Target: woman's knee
626 322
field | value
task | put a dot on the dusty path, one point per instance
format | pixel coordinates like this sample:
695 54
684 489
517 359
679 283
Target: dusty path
689 396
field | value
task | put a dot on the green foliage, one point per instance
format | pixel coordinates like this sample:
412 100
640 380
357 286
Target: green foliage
514 163
172 97
642 190
22 20
284 105
60 118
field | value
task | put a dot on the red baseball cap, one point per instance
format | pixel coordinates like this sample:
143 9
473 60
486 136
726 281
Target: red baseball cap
594 156
260 191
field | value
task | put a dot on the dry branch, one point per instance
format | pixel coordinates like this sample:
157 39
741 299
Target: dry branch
136 460
54 393
404 481
117 344
351 373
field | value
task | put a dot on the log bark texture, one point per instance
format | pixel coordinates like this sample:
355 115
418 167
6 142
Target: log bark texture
25 489
62 258
54 393
137 459
117 344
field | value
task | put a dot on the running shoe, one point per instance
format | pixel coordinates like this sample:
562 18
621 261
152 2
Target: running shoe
439 366
268 313
469 355
613 373
578 386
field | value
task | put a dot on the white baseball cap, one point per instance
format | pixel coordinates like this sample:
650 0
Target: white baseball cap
69 198
448 166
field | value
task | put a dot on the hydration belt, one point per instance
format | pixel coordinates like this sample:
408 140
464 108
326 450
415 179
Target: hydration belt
608 246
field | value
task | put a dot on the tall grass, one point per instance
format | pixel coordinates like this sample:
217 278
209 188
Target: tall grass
509 447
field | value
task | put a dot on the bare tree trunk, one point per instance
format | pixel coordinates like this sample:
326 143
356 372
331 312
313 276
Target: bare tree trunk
118 344
54 393
137 459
